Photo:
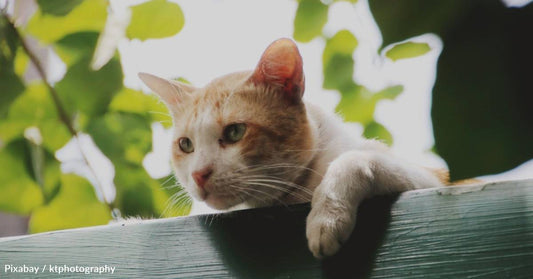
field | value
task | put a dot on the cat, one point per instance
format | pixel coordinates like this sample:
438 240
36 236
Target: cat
250 138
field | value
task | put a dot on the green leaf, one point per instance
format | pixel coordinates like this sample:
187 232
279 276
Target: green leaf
57 7
338 73
20 193
375 130
34 108
133 101
21 62
389 93
155 19
311 16
407 50
343 42
45 169
359 103
10 130
354 107
10 87
51 176
10 84
399 20
123 137
87 90
482 98
134 192
140 195
55 134
137 200
90 15
338 63
75 205
75 46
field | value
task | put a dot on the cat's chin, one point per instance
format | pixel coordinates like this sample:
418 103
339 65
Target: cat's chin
220 202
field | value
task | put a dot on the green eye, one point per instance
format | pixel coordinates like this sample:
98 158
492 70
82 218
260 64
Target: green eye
234 132
186 145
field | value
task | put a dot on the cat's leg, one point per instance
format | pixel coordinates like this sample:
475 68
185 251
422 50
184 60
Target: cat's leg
351 178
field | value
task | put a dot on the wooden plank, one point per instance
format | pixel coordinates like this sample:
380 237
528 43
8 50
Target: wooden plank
461 232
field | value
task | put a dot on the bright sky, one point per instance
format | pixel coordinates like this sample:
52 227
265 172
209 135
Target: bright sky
223 36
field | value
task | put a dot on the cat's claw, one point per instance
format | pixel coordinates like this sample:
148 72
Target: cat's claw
328 227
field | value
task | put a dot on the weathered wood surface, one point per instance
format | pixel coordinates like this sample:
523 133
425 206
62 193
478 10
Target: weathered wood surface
461 232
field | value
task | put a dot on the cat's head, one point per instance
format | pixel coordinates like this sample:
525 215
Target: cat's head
244 137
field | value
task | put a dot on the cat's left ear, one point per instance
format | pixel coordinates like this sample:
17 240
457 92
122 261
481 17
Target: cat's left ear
171 92
281 66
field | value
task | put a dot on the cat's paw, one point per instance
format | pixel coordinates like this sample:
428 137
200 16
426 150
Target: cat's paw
329 225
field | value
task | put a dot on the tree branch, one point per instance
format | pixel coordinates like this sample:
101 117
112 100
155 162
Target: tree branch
63 115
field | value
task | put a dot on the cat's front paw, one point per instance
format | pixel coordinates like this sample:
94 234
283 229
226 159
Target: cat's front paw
329 225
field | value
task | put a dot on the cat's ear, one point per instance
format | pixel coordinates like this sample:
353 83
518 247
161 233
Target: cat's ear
281 66
171 92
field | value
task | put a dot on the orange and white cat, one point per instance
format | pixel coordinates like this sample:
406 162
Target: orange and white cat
249 138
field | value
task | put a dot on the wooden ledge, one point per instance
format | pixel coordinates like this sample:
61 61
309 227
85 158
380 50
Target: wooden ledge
468 231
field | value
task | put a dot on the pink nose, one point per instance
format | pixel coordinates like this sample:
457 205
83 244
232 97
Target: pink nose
201 176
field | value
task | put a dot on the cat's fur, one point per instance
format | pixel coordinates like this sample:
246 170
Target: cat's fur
291 152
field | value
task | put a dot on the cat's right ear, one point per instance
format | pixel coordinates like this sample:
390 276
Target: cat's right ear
281 66
171 92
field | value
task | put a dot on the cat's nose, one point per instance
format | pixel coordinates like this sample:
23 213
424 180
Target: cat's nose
201 176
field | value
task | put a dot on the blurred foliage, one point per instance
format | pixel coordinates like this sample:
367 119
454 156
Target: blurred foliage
38 118
10 84
482 99
155 19
407 50
310 18
358 103
75 205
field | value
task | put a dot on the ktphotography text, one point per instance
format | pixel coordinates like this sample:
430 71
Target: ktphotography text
59 269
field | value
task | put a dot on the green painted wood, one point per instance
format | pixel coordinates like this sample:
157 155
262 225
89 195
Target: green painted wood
461 232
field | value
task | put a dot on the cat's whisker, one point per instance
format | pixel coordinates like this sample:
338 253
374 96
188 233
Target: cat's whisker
286 183
266 166
269 195
170 178
177 200
281 189
283 165
305 150
270 178
249 186
212 219
168 187
206 220
181 200
239 193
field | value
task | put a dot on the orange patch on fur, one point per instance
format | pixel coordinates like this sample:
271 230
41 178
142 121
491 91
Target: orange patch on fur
444 177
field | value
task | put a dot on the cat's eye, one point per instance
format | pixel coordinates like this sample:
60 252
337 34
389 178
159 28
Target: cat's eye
186 145
234 132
